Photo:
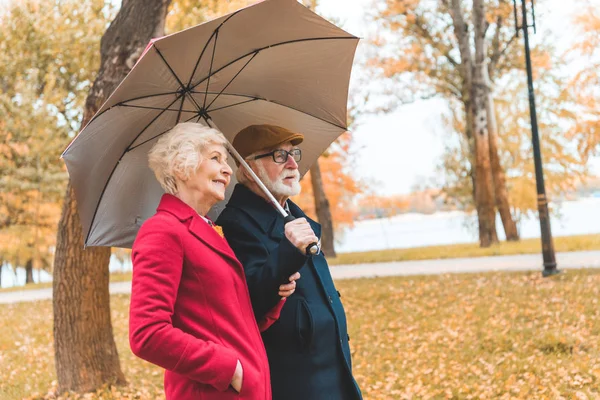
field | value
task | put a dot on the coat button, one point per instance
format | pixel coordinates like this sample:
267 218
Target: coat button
339 294
330 300
348 337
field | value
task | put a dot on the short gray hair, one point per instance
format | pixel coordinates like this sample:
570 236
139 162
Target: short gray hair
179 152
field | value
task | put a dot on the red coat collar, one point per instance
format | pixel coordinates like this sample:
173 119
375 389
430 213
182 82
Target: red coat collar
175 206
200 229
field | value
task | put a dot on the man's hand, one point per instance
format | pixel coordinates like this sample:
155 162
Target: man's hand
236 382
300 234
286 290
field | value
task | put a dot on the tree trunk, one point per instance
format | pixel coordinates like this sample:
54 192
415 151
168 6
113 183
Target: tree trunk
323 211
465 69
29 271
500 190
484 181
471 140
475 110
85 353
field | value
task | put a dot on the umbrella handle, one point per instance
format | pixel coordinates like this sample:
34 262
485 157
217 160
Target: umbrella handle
312 248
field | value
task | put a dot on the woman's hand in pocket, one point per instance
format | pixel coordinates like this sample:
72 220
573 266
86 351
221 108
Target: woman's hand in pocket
238 375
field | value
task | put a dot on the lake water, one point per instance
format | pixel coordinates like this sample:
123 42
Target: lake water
414 230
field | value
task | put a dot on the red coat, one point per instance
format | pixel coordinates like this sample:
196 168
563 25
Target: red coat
190 310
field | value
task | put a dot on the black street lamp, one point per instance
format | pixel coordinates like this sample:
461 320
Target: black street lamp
542 201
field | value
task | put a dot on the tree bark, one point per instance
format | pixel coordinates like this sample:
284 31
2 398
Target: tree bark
476 119
465 69
29 271
479 95
85 352
500 188
323 211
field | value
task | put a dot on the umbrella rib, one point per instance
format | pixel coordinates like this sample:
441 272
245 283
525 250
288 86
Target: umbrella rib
169 66
87 237
154 137
253 98
271 46
282 105
180 108
233 105
148 96
122 103
232 79
228 94
183 88
158 108
212 59
206 46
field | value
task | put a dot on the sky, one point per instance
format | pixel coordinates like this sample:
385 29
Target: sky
400 150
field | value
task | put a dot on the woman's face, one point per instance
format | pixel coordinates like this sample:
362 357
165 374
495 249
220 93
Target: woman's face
212 176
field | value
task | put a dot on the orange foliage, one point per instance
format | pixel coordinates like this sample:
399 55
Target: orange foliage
583 88
373 206
340 185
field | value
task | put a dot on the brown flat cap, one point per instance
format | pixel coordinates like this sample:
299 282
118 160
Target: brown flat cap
257 137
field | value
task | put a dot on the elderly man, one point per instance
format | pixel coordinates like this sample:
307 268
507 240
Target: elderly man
307 347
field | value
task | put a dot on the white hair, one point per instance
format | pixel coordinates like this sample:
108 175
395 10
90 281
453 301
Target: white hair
179 152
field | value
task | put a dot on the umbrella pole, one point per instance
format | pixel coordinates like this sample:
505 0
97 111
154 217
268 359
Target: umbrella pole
312 248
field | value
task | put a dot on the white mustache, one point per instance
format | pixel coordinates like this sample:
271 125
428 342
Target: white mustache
295 175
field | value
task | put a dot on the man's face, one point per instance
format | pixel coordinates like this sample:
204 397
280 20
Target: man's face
282 180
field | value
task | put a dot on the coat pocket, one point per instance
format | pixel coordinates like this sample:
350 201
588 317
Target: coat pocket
305 326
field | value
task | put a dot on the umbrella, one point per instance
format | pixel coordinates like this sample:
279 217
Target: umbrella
275 62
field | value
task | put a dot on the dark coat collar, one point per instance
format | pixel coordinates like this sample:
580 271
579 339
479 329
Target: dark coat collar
196 225
266 217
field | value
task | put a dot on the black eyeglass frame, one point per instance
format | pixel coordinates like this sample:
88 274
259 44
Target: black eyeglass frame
282 151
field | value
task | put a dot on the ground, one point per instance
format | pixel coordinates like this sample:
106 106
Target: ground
461 336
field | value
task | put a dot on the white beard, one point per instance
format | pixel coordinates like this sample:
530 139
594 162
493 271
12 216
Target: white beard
277 187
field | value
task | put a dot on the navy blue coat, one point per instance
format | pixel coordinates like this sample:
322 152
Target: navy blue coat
307 347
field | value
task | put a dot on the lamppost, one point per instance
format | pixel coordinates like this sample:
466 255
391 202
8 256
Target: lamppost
542 201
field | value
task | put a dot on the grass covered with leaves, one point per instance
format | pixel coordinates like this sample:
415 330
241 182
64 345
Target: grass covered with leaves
524 246
463 336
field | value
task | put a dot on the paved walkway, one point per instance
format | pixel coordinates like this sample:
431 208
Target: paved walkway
528 262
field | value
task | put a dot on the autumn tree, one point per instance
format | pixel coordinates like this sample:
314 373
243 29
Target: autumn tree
460 51
42 77
187 13
583 87
473 74
85 353
564 167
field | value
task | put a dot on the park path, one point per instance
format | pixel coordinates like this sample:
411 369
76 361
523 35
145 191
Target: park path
525 262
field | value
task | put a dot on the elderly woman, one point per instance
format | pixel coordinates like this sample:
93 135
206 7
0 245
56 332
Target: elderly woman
190 310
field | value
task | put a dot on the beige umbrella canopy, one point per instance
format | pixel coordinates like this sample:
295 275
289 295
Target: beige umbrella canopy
275 62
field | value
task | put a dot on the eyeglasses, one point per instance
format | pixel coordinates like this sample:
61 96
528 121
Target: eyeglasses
280 156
